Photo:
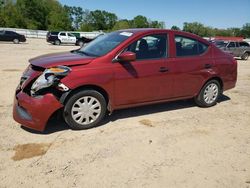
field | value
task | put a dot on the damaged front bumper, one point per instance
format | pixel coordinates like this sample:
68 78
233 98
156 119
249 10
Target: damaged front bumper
34 112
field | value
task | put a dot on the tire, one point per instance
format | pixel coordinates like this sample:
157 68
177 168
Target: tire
209 94
16 41
245 56
85 109
57 42
80 43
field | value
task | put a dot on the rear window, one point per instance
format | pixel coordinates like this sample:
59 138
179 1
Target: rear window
54 33
189 47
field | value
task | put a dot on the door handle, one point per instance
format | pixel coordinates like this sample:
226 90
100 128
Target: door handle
163 69
207 66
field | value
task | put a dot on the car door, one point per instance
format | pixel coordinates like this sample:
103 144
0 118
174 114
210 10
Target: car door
71 38
63 37
243 46
188 67
232 48
145 79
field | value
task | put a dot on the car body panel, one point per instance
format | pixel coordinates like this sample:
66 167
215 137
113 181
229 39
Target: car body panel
33 112
55 59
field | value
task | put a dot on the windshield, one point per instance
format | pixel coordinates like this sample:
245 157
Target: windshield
105 43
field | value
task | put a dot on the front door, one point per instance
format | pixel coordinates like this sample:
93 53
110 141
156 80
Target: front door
145 79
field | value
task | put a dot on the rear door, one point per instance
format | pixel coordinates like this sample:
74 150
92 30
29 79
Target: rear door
71 38
189 67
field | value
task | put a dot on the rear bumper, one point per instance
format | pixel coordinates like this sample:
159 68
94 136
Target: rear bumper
32 112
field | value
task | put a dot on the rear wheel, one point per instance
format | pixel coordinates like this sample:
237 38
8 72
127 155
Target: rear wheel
81 43
85 109
209 94
245 56
16 41
57 42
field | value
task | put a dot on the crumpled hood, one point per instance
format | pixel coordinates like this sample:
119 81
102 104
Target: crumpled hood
63 58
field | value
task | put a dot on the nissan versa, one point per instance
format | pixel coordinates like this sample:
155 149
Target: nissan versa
119 70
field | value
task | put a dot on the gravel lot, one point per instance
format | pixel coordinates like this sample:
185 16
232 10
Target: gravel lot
174 144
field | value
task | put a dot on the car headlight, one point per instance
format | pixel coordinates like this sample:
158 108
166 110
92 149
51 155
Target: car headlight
49 78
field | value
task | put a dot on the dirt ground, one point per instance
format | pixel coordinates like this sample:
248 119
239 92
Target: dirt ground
174 144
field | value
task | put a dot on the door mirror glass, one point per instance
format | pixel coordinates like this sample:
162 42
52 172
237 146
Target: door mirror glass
126 57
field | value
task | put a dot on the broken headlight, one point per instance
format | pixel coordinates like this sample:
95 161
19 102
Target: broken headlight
50 77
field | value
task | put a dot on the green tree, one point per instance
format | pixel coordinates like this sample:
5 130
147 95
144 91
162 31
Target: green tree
121 24
174 27
156 24
246 30
76 16
86 24
196 28
58 18
102 20
10 16
140 22
34 12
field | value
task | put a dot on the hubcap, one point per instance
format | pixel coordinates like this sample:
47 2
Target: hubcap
211 93
86 110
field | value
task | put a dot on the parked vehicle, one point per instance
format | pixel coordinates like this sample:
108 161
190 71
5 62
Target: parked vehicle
11 36
58 38
119 70
237 49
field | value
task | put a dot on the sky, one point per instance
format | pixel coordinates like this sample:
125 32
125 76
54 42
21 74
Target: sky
215 13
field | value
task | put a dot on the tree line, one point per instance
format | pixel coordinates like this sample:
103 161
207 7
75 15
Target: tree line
205 31
51 15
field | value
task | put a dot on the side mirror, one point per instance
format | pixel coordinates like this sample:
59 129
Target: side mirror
126 57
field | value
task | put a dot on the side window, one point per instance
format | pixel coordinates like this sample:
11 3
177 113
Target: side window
231 45
150 47
71 35
244 44
62 34
8 32
189 47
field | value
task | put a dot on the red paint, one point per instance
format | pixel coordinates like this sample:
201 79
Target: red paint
40 109
132 83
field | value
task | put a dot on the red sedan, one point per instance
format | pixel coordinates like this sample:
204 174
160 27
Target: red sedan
119 70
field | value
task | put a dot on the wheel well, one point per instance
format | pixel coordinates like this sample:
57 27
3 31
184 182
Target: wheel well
219 80
87 87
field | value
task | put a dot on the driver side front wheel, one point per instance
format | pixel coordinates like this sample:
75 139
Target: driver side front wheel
85 109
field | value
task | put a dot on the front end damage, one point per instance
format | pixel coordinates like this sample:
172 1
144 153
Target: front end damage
38 95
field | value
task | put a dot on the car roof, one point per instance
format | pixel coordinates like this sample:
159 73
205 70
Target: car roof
149 30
